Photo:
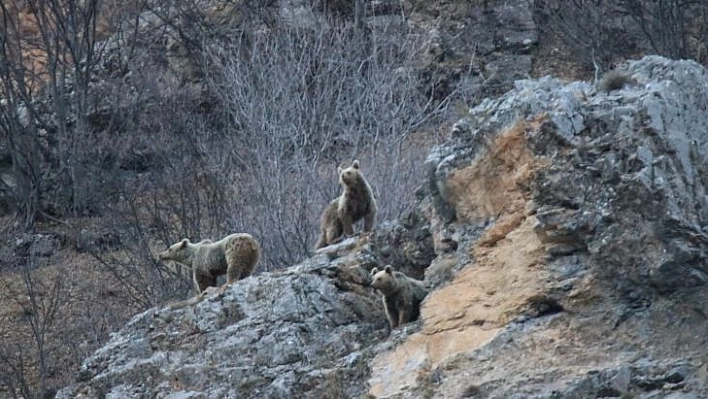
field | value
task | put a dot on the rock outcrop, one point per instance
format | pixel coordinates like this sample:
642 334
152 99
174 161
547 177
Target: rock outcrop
565 231
308 330
581 271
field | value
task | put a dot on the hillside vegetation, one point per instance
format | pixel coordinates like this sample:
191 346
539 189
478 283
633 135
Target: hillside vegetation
128 125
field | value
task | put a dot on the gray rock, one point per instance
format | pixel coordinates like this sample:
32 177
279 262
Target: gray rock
618 199
31 245
92 241
271 335
407 244
620 204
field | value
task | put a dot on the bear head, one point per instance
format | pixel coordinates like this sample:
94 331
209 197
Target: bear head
351 175
176 252
384 280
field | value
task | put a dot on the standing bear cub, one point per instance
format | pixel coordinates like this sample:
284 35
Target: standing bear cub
235 255
402 295
356 202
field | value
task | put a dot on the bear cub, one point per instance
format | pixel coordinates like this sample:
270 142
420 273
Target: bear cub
235 255
402 295
355 203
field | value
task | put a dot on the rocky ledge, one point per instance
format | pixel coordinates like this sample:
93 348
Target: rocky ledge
565 231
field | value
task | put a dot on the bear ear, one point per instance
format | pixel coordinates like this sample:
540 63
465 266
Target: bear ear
388 269
183 244
355 164
374 270
339 170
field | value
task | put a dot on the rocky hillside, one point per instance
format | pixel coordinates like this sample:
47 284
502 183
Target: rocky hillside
561 230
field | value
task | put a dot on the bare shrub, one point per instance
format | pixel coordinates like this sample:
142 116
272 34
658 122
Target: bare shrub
175 198
54 316
599 34
47 52
588 30
672 28
283 110
299 103
27 356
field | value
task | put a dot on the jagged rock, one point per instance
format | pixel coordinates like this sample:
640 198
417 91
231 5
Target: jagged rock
647 379
592 202
30 245
565 234
91 241
407 244
296 333
486 46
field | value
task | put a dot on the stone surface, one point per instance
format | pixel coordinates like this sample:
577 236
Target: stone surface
589 245
35 245
301 330
407 244
93 241
566 241
484 45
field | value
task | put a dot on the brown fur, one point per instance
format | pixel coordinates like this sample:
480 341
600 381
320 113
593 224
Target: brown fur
355 203
402 295
614 80
235 255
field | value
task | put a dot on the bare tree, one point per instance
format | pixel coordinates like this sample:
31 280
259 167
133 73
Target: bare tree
47 50
587 28
599 33
16 125
301 103
15 376
673 28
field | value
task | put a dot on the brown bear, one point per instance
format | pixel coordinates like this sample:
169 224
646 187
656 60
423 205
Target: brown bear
402 295
235 255
356 202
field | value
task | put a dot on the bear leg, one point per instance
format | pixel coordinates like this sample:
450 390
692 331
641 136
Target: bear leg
404 316
347 224
204 281
322 241
369 221
393 317
233 273
333 235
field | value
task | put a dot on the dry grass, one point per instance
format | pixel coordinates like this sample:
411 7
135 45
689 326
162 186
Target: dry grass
614 80
91 304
